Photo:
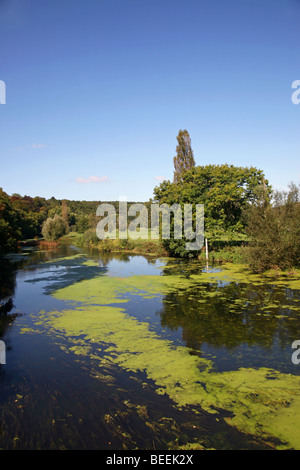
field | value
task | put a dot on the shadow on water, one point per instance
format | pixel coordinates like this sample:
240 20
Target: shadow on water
8 273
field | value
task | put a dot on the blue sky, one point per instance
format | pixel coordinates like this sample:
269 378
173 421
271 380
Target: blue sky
97 90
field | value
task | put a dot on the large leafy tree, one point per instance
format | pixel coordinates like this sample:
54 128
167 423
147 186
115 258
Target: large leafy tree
225 191
184 159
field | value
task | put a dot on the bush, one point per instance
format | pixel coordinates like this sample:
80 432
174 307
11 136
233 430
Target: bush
54 228
90 237
274 231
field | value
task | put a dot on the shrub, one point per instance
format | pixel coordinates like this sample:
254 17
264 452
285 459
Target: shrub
274 231
90 237
54 228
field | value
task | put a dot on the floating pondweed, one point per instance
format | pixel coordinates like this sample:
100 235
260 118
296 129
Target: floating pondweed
260 401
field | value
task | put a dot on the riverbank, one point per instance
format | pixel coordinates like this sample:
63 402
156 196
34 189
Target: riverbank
234 251
220 252
40 242
139 246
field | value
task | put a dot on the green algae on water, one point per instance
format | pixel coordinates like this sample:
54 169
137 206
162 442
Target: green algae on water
261 402
241 274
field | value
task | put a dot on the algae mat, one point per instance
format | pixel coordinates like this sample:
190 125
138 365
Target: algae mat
262 402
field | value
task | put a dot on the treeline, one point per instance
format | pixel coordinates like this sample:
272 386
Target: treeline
26 217
20 218
239 206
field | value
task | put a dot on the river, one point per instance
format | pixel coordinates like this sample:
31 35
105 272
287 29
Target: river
121 351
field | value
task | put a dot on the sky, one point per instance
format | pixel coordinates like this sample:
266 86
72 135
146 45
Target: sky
96 92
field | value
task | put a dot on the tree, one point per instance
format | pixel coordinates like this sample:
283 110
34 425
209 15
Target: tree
10 231
54 228
184 159
225 191
83 223
274 231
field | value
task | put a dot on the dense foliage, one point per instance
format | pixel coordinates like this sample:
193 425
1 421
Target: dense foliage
184 159
226 192
274 231
9 231
54 228
22 217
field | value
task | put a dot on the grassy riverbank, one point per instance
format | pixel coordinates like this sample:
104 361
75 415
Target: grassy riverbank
140 246
223 250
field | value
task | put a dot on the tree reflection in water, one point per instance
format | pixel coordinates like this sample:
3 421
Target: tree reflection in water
237 322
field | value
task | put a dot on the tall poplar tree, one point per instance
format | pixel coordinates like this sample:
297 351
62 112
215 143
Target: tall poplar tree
184 159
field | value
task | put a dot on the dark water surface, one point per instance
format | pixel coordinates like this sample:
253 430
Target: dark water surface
51 399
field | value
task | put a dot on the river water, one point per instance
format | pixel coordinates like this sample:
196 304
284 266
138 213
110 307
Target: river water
54 398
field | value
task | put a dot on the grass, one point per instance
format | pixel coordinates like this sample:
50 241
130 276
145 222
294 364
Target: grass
227 248
128 245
